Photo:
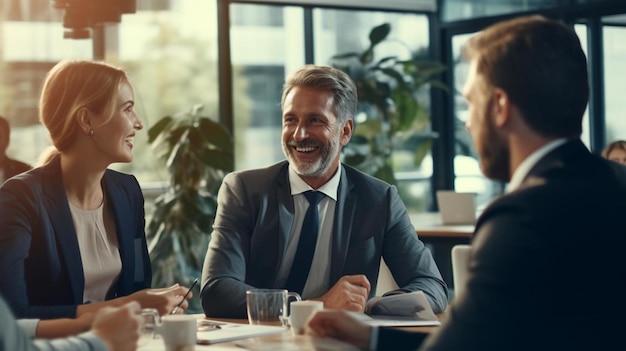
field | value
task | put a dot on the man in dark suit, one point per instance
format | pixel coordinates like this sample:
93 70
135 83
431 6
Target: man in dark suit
257 230
8 166
546 270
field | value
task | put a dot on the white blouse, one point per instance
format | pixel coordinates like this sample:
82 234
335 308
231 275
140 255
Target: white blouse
99 251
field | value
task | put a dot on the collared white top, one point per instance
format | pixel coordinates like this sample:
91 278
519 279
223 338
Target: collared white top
317 283
530 161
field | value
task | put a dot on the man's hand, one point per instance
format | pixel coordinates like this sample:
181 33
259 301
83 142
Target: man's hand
349 293
340 325
118 327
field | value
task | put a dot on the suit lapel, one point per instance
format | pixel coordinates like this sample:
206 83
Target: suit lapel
121 211
286 214
64 231
342 228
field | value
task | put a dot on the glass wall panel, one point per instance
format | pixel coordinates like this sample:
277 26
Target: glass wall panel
347 31
452 10
171 57
615 76
581 31
263 52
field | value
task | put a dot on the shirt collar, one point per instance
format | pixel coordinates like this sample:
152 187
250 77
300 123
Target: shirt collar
298 186
528 163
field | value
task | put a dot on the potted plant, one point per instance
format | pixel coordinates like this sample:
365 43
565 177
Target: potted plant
198 153
390 115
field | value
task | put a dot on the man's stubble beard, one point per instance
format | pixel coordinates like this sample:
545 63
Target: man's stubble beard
319 167
496 156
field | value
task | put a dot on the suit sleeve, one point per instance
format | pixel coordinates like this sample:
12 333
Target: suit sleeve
398 340
20 213
224 271
410 262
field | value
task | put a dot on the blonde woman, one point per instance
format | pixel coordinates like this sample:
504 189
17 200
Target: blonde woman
72 236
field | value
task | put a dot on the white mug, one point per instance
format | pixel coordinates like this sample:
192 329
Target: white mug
177 330
301 311
269 306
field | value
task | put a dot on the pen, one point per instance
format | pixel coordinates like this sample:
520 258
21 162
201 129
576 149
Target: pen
195 281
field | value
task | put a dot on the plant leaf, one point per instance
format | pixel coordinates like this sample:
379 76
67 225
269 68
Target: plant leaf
158 128
218 159
216 134
379 33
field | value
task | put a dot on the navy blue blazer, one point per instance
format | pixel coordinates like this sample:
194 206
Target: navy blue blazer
41 271
13 167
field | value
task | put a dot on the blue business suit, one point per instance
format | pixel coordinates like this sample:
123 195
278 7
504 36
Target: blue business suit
253 223
41 271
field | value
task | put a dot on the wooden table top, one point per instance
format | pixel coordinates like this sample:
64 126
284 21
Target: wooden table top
428 225
288 341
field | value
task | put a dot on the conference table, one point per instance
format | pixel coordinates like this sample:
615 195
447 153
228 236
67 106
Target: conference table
440 238
281 341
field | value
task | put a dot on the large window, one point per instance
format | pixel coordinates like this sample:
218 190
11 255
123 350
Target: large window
614 63
452 10
264 52
168 49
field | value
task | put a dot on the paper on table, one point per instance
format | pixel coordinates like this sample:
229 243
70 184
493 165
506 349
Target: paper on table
235 331
407 309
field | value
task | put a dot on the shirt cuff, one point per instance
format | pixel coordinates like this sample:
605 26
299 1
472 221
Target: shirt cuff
373 338
29 326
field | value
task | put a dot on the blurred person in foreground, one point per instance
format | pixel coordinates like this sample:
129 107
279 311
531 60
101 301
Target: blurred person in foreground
72 237
257 239
8 166
615 151
114 329
547 257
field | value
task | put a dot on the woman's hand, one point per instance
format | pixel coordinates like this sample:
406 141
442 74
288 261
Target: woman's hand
163 300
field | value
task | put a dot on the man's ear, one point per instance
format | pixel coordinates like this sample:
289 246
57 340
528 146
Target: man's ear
501 105
346 132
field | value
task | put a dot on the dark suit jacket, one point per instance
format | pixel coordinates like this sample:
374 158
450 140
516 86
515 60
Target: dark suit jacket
41 272
13 167
254 218
547 268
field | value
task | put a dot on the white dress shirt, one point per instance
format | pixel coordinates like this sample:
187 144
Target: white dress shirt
317 283
530 161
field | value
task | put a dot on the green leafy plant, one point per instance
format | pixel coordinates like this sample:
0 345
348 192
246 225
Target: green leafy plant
198 152
391 116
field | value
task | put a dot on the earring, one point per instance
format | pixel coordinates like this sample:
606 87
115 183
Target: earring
90 134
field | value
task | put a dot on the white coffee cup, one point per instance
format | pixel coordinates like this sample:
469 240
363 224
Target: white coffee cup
178 331
301 311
